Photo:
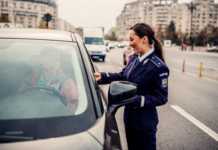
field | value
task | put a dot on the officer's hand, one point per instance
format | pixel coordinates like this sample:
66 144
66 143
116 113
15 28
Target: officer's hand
97 76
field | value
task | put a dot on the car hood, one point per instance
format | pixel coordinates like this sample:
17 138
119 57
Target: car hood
82 141
92 139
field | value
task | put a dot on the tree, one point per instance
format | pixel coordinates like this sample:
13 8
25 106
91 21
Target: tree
47 18
171 33
160 34
213 38
201 39
42 24
112 34
4 18
208 35
171 28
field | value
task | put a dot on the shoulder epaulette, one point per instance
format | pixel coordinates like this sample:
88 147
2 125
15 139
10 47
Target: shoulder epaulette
157 61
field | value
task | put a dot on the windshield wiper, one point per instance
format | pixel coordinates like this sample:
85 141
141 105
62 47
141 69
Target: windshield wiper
13 138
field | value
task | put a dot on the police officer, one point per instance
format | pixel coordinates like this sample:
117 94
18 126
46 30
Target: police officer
148 70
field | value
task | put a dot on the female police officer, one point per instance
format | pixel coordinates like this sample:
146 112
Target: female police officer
147 69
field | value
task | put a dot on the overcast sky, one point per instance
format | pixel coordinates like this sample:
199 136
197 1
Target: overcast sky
91 12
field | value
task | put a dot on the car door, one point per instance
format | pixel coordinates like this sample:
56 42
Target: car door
112 135
101 103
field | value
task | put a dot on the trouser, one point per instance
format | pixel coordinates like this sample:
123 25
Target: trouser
141 140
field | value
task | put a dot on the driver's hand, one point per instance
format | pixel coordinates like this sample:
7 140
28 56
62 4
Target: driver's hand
97 76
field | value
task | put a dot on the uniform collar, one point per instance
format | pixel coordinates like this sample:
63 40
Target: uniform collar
144 56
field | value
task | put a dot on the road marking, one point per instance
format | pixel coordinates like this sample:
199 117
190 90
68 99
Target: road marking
196 122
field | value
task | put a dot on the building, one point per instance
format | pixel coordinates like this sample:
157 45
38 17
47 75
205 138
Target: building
156 13
205 14
128 17
65 26
181 16
10 25
159 14
28 13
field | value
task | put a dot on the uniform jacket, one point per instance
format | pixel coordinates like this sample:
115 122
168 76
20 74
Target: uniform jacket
151 77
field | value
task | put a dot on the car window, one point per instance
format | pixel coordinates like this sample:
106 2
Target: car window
94 41
91 69
85 53
42 80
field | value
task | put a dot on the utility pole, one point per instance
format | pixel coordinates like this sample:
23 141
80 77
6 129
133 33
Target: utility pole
192 8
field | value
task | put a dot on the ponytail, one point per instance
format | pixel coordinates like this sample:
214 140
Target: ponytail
158 50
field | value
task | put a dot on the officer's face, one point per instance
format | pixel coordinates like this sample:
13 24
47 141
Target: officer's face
136 42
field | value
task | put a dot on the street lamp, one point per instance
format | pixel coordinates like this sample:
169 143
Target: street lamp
192 8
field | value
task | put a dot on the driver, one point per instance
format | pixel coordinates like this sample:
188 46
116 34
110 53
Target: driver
50 74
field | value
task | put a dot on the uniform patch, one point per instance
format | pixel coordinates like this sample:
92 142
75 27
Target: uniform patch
164 74
164 83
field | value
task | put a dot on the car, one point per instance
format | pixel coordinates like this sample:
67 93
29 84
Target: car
49 98
121 45
213 49
94 41
111 46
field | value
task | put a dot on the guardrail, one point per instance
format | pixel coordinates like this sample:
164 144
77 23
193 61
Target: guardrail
200 69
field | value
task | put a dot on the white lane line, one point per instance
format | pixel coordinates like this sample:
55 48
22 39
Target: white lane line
196 122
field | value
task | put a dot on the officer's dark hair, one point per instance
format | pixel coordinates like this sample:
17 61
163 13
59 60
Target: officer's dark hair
141 30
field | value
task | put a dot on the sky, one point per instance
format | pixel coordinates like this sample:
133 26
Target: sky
92 13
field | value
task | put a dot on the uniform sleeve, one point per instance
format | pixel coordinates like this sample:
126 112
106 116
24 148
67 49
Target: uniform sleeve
159 94
107 78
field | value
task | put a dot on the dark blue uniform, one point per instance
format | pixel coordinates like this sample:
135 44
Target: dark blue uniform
141 118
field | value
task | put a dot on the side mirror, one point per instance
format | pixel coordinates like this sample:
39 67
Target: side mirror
121 93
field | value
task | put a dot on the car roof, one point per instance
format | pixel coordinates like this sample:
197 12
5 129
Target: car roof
38 34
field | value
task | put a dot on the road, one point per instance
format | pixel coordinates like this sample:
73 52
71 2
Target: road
190 120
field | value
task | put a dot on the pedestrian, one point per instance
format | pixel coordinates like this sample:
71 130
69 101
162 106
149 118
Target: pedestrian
149 72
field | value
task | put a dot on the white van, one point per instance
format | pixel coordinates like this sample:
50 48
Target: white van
94 40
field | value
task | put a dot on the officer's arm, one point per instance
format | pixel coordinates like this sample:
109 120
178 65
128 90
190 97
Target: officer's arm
107 78
159 95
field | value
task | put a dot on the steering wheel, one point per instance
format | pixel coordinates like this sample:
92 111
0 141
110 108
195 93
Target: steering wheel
49 90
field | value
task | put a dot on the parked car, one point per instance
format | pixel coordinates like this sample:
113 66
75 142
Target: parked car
49 99
111 46
213 49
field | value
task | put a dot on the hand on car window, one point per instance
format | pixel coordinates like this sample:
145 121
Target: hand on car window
97 76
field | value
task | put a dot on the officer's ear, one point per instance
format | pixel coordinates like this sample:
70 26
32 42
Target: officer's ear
145 40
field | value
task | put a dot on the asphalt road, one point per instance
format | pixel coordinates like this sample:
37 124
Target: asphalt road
190 120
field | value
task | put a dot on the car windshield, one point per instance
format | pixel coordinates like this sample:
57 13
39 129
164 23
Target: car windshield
42 87
94 41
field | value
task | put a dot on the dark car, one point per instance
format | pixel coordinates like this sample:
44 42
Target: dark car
49 98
